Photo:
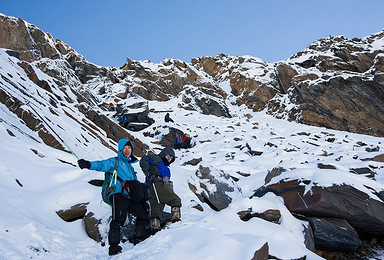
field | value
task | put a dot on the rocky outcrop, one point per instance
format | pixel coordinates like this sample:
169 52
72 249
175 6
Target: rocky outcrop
342 90
353 104
113 130
364 213
30 119
199 100
212 187
27 41
335 82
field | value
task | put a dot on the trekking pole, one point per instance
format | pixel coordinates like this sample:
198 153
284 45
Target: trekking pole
157 198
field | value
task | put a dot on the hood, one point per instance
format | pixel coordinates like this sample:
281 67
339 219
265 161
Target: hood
164 152
122 142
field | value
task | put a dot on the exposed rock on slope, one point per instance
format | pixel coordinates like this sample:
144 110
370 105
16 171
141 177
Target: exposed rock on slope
335 82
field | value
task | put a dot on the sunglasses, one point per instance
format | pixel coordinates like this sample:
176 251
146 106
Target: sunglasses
171 156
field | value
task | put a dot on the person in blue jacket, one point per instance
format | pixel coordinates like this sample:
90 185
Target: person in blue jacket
157 176
121 205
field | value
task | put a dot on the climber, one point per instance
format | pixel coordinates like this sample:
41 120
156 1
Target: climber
122 204
157 176
111 107
187 140
168 119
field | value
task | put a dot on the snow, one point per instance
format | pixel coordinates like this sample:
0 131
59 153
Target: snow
31 229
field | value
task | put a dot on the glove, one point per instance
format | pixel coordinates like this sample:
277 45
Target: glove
166 180
151 178
84 164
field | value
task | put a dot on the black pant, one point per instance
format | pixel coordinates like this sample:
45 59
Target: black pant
121 206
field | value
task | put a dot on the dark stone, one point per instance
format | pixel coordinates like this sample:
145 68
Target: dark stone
193 162
271 215
273 173
217 199
97 183
364 170
333 234
309 239
326 166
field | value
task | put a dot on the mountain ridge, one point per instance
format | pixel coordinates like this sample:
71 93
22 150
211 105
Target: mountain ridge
335 82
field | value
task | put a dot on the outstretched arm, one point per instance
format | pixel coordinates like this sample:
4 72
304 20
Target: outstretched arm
101 166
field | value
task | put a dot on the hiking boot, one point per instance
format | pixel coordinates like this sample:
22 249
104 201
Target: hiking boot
175 214
114 250
155 223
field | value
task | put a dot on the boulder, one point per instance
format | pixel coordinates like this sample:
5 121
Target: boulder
363 213
138 119
193 162
363 171
91 225
73 213
273 173
212 186
169 135
332 234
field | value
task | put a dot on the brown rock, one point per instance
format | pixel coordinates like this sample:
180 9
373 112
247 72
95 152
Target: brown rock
73 213
262 253
91 225
363 213
377 158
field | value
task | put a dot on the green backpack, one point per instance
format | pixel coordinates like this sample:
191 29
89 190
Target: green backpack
107 187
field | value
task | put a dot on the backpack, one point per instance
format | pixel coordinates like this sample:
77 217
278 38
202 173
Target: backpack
107 187
136 190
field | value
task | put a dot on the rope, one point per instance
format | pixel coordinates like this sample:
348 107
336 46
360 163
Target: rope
27 103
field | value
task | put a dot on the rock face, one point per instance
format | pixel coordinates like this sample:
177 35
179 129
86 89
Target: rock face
31 120
335 82
313 87
28 42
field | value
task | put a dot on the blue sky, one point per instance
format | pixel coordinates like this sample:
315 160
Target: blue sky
106 32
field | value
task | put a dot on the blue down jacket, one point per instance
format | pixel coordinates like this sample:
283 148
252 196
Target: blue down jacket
155 166
125 170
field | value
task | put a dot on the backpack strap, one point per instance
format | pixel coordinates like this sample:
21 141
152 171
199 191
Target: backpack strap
114 174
